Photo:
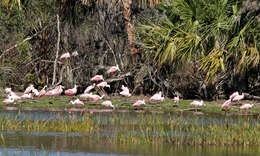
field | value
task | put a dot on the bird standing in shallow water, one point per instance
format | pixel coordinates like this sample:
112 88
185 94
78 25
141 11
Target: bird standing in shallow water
226 104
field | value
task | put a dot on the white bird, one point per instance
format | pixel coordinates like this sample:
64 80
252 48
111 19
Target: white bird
197 103
77 102
107 104
9 100
14 96
26 96
8 90
35 92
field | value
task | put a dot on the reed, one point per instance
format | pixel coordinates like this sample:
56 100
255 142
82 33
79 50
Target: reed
144 128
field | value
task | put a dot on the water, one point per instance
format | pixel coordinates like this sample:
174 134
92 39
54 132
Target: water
63 144
53 143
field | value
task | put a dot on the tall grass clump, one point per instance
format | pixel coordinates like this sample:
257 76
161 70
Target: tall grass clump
145 128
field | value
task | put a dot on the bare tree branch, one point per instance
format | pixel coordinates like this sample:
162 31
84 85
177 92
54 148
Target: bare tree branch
57 52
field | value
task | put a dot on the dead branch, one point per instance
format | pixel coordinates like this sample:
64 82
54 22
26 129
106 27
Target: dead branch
57 52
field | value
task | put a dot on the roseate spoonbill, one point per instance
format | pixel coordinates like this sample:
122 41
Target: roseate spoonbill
65 56
89 88
107 104
176 99
9 100
113 69
77 102
157 97
226 104
35 92
58 90
50 92
246 107
238 97
71 92
74 54
28 89
97 78
42 92
125 91
85 95
26 96
95 98
8 90
233 95
103 85
139 103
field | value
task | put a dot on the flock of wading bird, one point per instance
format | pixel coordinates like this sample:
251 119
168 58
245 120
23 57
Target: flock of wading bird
32 92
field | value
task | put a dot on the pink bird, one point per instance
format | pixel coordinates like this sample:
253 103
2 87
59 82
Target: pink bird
107 104
28 89
89 88
157 97
139 103
197 103
238 97
86 95
233 95
246 107
113 69
50 92
58 90
65 56
71 92
97 78
125 91
42 92
103 85
226 104
74 54
176 99
8 100
77 102
95 98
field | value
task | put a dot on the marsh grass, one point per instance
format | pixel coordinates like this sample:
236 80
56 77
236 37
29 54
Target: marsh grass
144 129
121 103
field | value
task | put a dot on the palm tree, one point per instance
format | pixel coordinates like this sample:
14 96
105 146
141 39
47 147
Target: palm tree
209 32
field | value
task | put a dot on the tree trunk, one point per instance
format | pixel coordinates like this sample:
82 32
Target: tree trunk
129 25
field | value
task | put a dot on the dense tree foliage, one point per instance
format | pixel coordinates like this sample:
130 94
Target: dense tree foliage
197 48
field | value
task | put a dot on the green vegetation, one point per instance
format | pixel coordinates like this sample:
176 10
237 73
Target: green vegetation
145 129
62 103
